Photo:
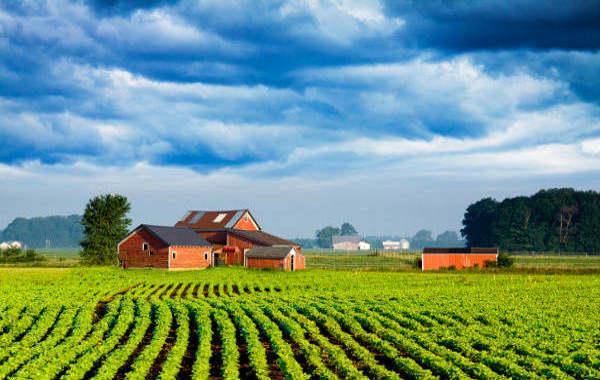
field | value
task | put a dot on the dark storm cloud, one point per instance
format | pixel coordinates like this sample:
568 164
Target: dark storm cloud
496 24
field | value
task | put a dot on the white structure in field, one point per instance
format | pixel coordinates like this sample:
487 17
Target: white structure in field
10 244
404 244
363 246
349 243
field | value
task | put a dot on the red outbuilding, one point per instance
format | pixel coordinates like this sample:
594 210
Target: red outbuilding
164 247
440 258
283 258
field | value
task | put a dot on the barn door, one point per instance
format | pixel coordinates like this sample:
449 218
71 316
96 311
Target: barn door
293 262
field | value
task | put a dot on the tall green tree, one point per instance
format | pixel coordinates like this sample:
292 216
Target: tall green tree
348 229
325 236
105 223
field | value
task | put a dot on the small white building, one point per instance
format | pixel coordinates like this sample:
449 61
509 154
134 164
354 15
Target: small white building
404 244
391 245
364 246
349 243
10 244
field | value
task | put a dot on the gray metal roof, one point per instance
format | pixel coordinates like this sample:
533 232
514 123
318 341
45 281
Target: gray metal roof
178 236
268 252
345 238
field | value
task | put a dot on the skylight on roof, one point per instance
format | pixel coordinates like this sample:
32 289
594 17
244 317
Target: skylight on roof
219 218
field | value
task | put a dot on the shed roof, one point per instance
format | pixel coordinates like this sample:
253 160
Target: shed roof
213 219
463 250
268 252
177 236
262 237
345 239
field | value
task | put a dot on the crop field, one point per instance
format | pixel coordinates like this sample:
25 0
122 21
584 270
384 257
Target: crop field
101 323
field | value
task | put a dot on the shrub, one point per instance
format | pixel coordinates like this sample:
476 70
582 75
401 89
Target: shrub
418 263
504 260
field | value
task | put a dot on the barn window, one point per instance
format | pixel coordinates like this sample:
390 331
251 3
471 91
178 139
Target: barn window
174 255
219 218
206 256
144 246
246 218
150 253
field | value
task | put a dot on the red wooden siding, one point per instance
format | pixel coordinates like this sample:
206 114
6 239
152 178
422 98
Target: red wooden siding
245 223
434 261
261 263
215 237
190 257
130 251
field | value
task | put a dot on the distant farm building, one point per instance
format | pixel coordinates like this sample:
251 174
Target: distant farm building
349 243
10 244
458 258
390 245
229 236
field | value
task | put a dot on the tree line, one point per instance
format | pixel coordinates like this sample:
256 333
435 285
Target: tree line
423 238
554 220
52 231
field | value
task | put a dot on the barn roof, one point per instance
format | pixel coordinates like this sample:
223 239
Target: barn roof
268 252
345 238
178 236
262 237
213 219
460 250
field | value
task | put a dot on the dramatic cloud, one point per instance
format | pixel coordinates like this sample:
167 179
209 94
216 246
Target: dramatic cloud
276 94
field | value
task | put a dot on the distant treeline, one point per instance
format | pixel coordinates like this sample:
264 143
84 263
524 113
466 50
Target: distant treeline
423 238
551 220
59 231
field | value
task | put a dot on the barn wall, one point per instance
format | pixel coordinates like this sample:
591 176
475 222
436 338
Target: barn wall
300 262
465 260
261 263
190 257
245 225
131 251
215 237
241 243
346 245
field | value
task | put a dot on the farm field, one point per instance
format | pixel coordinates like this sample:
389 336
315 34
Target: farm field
233 323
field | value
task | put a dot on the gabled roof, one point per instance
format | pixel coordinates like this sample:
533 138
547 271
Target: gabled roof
176 236
262 237
213 219
345 239
460 250
268 252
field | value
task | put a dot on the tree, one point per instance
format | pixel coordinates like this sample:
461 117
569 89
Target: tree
105 223
478 223
421 239
348 229
449 239
325 235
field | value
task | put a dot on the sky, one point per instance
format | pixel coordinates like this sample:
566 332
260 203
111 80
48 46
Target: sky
391 115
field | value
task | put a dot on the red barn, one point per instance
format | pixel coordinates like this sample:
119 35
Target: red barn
232 233
440 258
171 248
284 258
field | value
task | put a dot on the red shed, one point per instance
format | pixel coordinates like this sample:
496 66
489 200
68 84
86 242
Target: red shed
171 248
440 258
280 257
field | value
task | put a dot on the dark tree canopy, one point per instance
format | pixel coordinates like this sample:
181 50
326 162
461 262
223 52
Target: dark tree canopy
105 223
348 229
325 236
550 220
